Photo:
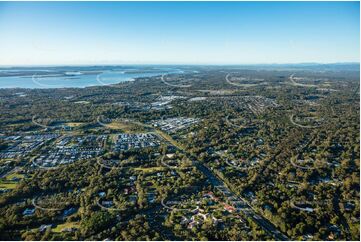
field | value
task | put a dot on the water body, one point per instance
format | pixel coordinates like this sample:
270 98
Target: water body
75 78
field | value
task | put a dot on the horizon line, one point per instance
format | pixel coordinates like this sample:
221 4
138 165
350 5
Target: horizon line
182 64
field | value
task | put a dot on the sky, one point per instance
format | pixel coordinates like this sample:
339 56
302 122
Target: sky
82 33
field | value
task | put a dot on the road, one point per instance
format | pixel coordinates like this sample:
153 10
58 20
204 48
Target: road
300 84
13 170
299 125
241 204
173 85
336 207
243 84
231 83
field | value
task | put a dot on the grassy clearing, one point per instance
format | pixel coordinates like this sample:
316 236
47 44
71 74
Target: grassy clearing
126 127
15 125
170 139
82 102
8 185
118 125
150 169
5 160
14 175
67 225
74 124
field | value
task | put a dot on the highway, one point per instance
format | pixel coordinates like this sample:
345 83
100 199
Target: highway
240 204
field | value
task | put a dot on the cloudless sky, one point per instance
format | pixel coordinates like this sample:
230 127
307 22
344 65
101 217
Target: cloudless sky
50 33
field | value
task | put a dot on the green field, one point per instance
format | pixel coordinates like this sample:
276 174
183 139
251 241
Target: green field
60 227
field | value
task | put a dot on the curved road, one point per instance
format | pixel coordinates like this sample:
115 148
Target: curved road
173 85
239 202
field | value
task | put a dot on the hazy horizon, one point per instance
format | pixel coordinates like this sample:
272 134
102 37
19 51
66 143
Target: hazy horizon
182 64
178 33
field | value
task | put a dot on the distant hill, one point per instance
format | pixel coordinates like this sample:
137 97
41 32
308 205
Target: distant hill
349 66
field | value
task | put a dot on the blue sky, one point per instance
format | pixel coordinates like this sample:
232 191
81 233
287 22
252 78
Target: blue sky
50 33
